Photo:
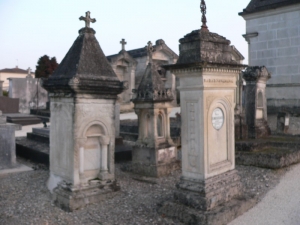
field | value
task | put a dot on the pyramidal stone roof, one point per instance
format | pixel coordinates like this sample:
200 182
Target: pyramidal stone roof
152 88
84 69
202 46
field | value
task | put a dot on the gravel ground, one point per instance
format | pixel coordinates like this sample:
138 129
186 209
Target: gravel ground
24 198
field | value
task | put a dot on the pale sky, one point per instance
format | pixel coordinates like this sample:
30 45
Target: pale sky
30 29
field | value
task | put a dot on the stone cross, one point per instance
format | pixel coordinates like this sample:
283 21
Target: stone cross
87 19
149 50
123 42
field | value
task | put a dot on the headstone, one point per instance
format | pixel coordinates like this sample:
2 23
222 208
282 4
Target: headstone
256 78
1 88
30 93
154 154
283 122
208 76
7 146
83 92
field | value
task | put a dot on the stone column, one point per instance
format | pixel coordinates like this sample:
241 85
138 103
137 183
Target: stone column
255 101
1 88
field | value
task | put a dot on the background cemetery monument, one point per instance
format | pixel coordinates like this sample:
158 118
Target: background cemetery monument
154 153
83 92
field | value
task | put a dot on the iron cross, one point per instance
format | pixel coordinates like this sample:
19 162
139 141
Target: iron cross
87 19
123 42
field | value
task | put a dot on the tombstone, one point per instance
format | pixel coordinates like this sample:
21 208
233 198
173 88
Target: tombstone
30 93
256 78
154 154
1 88
83 92
283 122
208 75
124 66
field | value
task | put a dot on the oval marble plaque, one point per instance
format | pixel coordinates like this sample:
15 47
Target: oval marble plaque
217 118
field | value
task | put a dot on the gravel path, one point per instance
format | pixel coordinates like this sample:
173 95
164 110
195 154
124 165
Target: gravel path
281 206
24 198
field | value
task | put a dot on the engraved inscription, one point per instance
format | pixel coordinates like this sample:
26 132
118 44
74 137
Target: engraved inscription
216 80
217 118
192 152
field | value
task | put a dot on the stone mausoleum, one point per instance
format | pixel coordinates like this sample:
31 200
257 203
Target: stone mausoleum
83 92
272 32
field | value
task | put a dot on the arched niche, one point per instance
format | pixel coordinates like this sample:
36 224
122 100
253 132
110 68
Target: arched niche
160 125
260 106
94 154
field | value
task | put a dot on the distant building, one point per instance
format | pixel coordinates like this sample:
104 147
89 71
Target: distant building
273 35
12 73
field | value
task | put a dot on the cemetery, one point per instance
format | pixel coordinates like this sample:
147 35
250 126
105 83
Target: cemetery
146 136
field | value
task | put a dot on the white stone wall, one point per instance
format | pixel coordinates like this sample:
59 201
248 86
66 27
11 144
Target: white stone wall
277 47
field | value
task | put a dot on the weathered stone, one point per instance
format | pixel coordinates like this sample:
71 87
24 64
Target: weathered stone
7 146
154 153
255 101
83 92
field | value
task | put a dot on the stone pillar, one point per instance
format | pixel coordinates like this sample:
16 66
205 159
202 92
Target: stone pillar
208 77
1 88
255 101
83 92
154 153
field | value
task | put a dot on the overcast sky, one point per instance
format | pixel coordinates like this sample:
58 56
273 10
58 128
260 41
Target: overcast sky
30 29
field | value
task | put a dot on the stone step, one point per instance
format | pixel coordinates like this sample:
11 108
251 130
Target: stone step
23 119
219 215
38 137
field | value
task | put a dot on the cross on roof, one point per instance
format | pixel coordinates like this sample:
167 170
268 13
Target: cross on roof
123 42
203 11
87 19
29 71
149 50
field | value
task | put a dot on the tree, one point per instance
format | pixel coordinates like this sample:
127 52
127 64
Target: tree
45 66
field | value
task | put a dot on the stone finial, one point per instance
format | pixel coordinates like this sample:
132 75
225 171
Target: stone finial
123 43
203 11
149 50
28 72
253 73
87 19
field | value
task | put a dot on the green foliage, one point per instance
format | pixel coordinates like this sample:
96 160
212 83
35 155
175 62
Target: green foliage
45 66
5 93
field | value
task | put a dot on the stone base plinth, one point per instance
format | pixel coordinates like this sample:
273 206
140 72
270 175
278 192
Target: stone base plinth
152 162
155 170
210 193
70 199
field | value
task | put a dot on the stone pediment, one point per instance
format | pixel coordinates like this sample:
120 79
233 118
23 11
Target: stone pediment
122 59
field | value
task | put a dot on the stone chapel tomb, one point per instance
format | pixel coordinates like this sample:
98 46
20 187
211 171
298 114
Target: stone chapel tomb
154 153
208 74
83 92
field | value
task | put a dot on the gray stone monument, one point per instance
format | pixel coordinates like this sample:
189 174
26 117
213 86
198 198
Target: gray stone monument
208 76
154 154
1 88
83 92
256 78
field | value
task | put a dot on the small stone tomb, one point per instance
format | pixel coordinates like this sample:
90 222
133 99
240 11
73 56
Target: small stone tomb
83 92
256 78
154 153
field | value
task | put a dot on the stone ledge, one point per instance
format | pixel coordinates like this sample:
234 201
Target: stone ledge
272 157
70 200
220 215
210 193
